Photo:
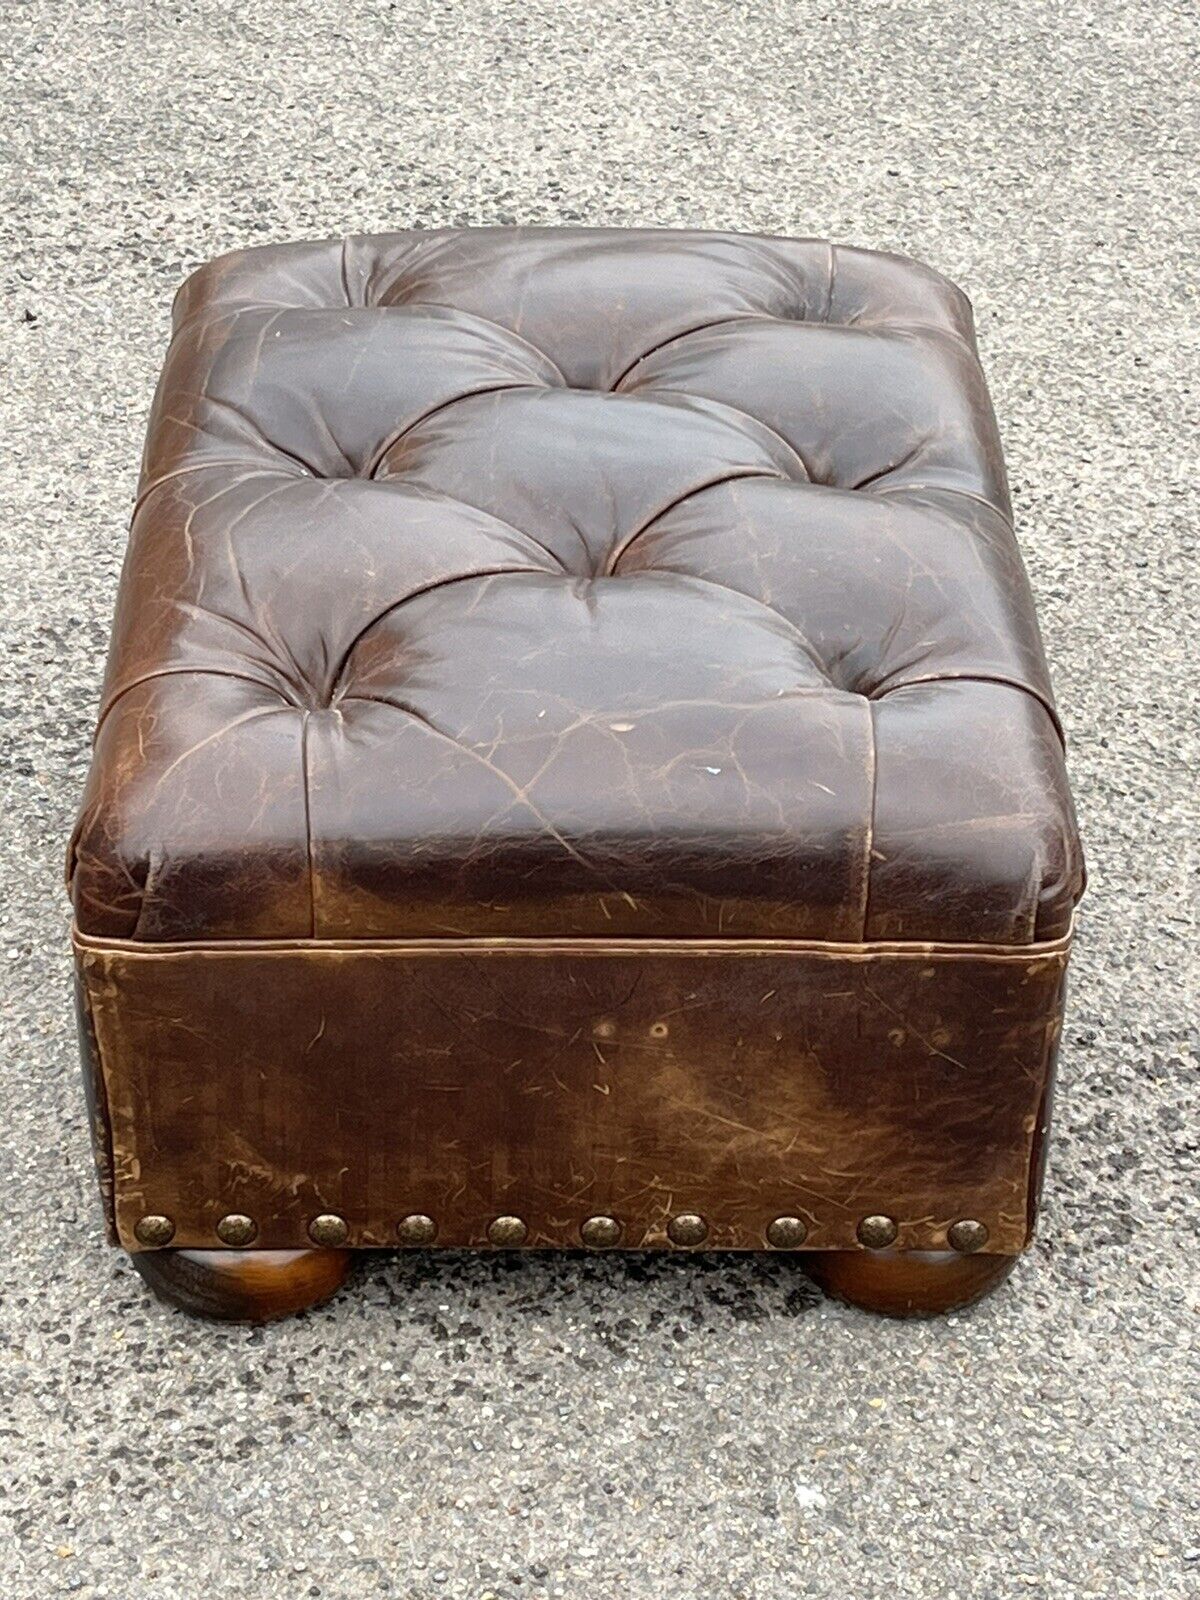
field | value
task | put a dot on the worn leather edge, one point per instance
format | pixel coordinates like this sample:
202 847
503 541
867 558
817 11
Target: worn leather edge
1040 1150
141 949
95 1090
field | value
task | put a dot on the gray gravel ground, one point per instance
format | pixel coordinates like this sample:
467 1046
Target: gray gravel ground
605 1427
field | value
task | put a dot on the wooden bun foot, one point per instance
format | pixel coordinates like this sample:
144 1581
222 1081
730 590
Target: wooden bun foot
906 1283
243 1285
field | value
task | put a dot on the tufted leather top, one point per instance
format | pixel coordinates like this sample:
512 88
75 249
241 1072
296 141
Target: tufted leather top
576 583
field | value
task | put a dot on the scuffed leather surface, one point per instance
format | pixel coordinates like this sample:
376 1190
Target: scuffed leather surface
574 583
555 1080
95 1092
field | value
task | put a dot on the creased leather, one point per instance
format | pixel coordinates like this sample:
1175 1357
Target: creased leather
574 582
576 739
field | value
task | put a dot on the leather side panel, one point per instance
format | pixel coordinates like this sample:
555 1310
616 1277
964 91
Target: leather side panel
557 1081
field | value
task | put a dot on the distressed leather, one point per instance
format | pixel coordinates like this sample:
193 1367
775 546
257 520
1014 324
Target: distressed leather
553 1080
574 583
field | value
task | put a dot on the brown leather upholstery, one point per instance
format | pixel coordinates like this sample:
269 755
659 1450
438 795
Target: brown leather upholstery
555 1081
579 583
576 739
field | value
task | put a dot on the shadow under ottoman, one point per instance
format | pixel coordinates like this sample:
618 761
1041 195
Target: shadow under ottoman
577 767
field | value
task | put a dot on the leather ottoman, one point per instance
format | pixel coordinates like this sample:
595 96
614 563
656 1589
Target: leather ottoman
576 768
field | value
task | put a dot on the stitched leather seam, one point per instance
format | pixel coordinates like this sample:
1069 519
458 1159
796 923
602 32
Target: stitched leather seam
869 845
306 785
506 945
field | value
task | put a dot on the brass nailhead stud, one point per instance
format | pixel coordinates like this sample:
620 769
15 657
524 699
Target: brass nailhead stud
328 1230
687 1228
235 1229
877 1232
154 1231
507 1232
967 1235
599 1233
417 1228
786 1233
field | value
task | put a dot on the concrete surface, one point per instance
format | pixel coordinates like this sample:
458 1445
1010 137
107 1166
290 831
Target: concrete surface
628 1428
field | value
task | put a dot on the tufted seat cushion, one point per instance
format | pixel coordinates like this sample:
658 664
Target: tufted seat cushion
574 583
576 753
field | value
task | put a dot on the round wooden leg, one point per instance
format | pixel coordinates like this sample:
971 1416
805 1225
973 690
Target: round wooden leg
243 1285
906 1283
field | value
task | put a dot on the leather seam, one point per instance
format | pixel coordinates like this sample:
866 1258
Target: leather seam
517 946
308 830
869 846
